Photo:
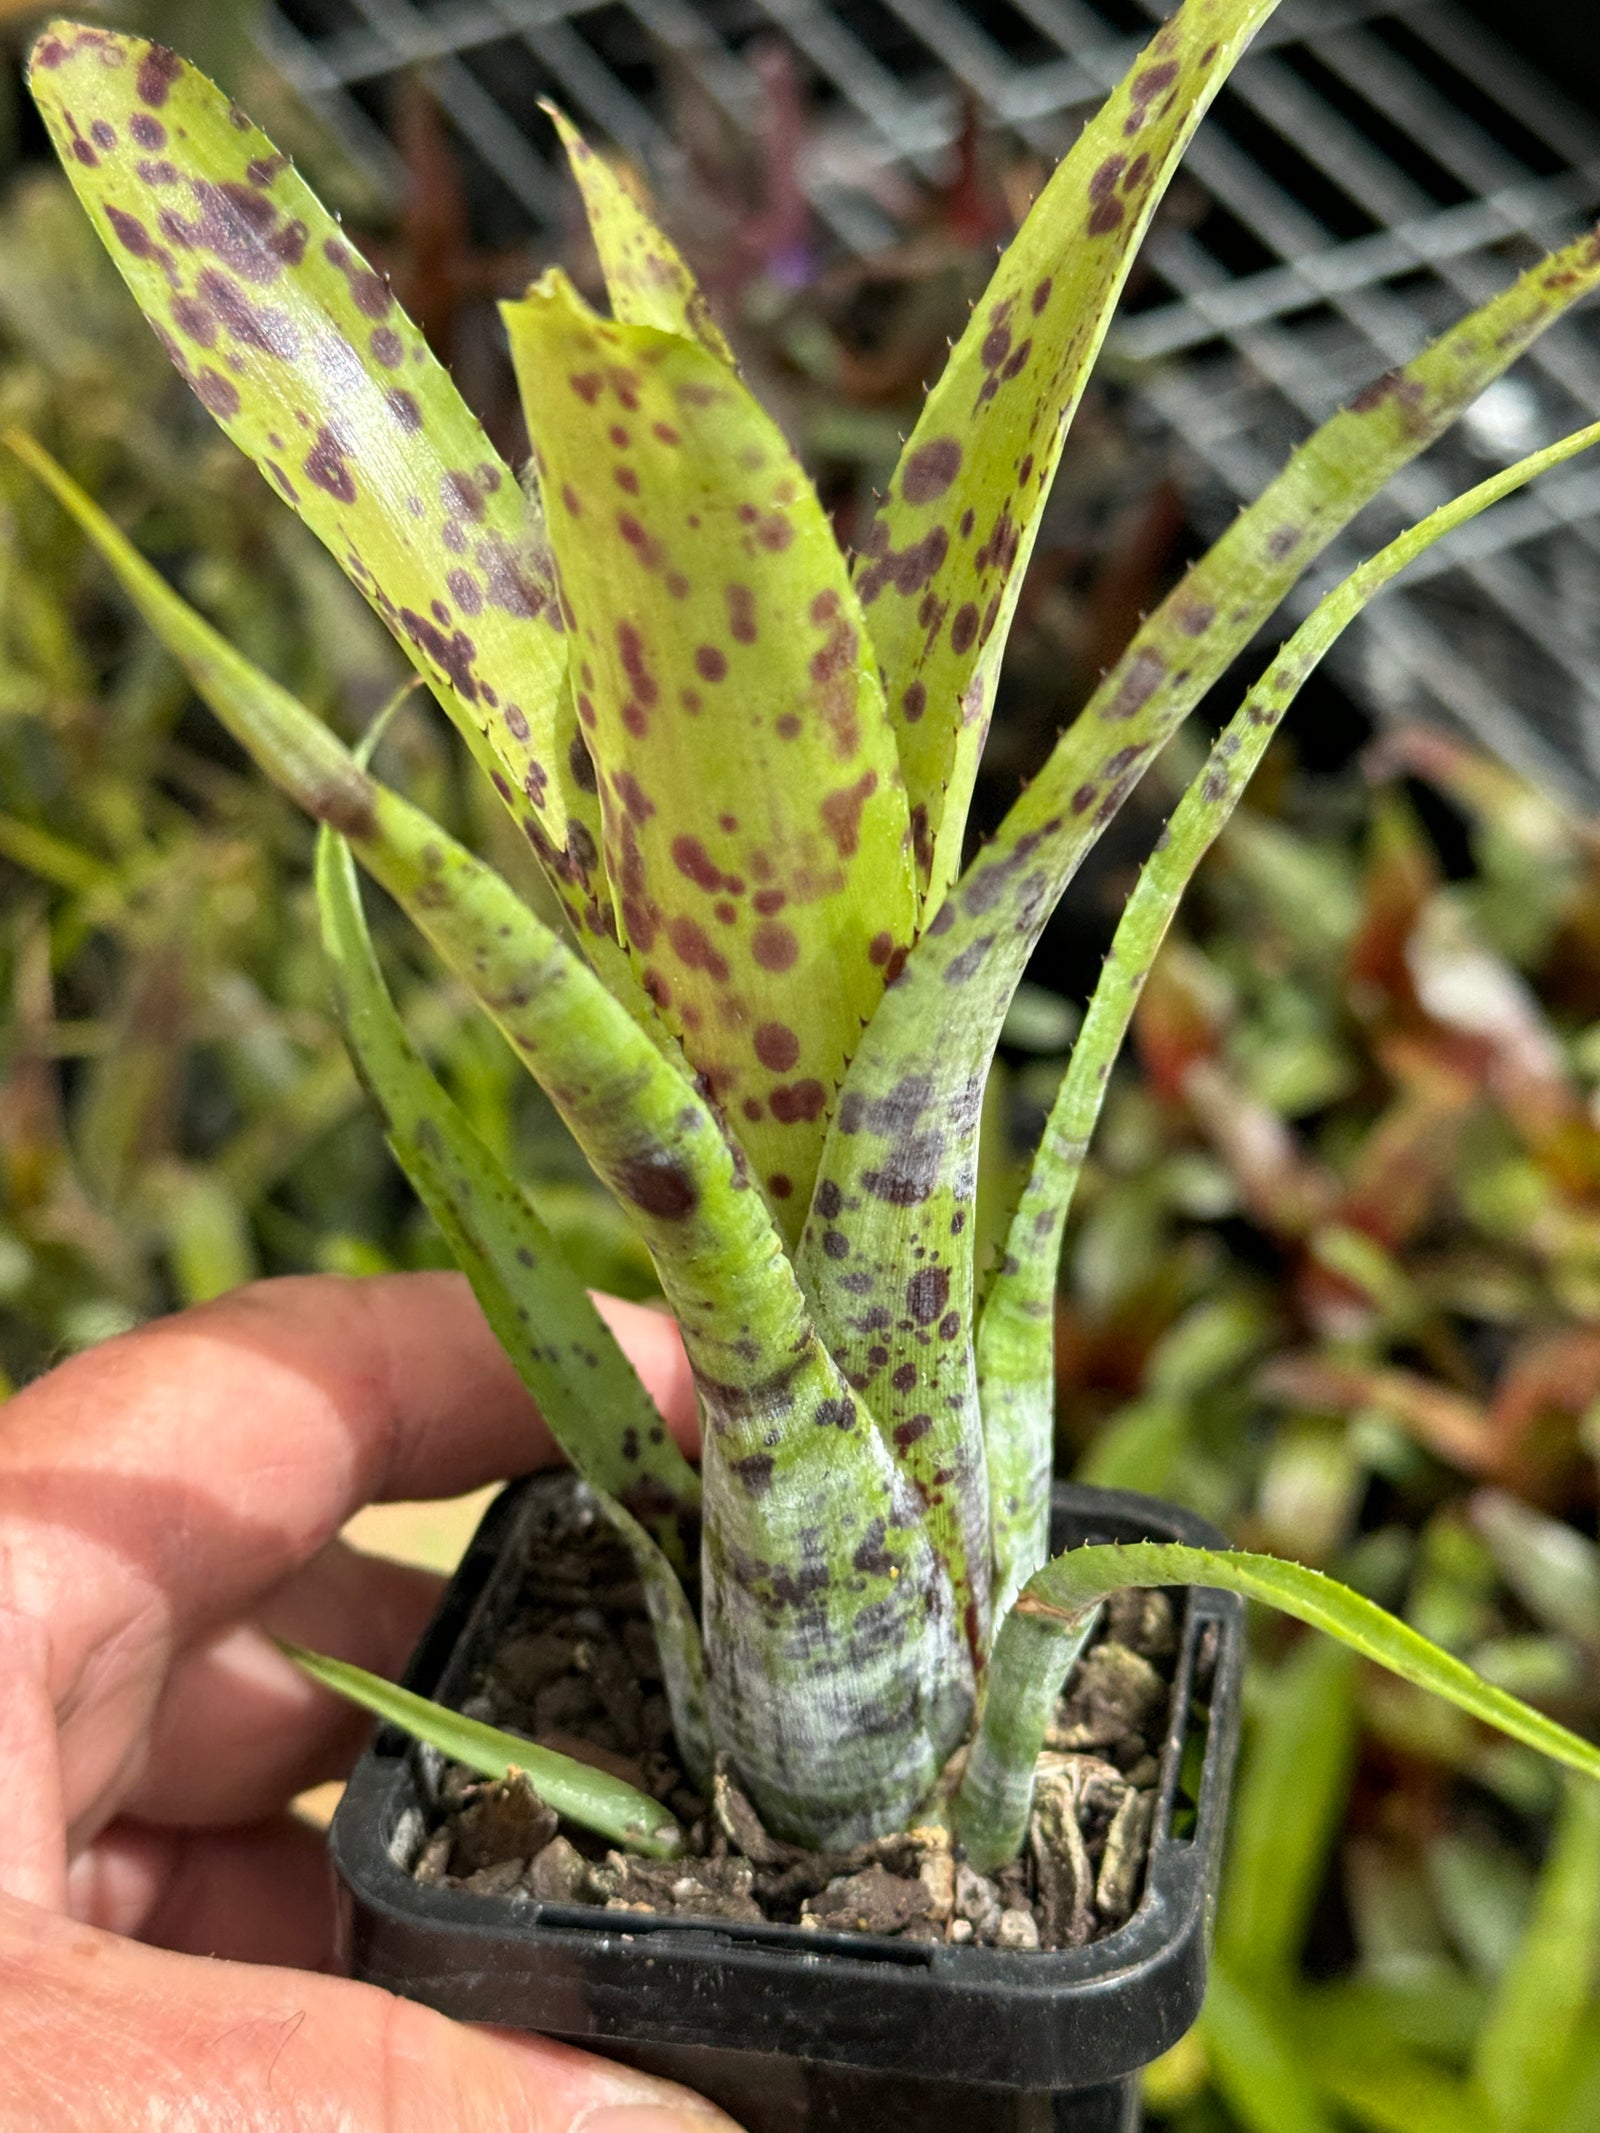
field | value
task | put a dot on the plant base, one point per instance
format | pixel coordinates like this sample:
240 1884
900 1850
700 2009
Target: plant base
794 2031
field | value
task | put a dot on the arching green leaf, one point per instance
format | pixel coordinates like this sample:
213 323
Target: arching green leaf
1254 2062
895 1190
1038 1637
541 1313
1016 1350
1534 2020
1292 1795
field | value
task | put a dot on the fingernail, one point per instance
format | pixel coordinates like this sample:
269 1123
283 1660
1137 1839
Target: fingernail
652 2118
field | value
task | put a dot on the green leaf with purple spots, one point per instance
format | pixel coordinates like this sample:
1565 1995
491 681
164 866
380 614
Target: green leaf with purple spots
647 278
819 1573
754 818
1016 1328
947 553
541 1313
303 356
895 1193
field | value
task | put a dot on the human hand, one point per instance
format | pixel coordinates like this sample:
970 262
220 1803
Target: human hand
169 1502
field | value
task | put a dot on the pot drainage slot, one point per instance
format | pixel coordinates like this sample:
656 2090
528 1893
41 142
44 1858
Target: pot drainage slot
1197 1678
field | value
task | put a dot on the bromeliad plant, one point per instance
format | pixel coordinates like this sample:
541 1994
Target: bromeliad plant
744 765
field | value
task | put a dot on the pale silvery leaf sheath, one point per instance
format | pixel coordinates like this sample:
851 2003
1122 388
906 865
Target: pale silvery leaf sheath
1016 1359
647 278
990 1811
541 1313
947 552
755 821
303 356
894 1195
839 1680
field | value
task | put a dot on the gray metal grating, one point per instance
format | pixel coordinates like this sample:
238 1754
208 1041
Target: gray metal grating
1375 167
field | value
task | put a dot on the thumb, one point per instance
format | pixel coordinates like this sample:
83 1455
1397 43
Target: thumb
103 2033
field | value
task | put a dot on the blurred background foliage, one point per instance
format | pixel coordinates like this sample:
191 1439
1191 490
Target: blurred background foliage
1333 1278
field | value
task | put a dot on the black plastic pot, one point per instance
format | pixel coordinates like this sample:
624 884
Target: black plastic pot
797 2032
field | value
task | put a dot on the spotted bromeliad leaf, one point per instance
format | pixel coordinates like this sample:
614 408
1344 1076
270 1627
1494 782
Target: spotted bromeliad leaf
745 764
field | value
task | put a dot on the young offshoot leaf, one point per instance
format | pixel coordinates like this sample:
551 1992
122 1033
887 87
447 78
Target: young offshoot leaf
755 822
303 356
647 278
818 1572
592 1798
947 553
991 1808
1016 1355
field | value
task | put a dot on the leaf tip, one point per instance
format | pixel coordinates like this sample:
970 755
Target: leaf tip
563 125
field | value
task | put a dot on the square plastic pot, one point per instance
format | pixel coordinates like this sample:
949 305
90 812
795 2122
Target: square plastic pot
802 2032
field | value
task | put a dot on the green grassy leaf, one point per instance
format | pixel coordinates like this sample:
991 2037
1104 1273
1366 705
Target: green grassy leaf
755 823
303 356
1082 1578
1420 2009
1574 2101
991 1808
947 553
1287 1817
592 1798
647 278
1253 2061
209 1246
1534 2020
1393 2095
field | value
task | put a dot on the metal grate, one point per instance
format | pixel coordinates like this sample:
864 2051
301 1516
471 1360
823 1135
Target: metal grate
1374 167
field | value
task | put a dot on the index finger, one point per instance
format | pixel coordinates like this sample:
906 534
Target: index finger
164 1482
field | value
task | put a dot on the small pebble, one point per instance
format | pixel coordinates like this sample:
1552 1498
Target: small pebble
977 1901
433 1862
558 1874
497 1880
1016 1930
